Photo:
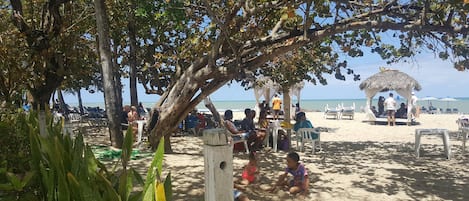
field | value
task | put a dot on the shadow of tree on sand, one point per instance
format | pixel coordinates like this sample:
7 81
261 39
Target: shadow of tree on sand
391 169
340 171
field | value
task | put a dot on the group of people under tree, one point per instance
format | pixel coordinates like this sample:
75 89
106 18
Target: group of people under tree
297 184
392 112
130 116
246 130
276 107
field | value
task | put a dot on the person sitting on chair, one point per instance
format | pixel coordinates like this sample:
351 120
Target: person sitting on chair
402 111
302 122
373 109
256 137
236 134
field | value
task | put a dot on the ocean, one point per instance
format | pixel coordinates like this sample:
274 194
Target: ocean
462 104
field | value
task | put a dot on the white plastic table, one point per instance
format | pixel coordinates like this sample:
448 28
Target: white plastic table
435 131
273 130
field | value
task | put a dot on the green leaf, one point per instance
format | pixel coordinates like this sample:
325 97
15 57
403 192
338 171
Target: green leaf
137 176
157 162
109 192
159 155
27 178
76 191
13 179
168 187
6 187
149 193
127 147
136 196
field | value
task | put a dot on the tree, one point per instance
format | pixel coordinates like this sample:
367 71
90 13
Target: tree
110 95
225 39
131 25
46 28
13 75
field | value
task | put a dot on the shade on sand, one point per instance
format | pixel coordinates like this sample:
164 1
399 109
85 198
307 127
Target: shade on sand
389 80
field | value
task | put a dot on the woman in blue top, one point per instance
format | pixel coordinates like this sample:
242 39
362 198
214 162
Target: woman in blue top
302 122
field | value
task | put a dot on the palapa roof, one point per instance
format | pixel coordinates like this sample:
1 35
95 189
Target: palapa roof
390 80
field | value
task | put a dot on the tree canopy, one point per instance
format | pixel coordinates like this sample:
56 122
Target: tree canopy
226 40
190 48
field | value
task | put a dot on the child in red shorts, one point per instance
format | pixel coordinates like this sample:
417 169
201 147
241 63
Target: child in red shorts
250 170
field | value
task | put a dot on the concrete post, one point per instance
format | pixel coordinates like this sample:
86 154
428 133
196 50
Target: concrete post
218 159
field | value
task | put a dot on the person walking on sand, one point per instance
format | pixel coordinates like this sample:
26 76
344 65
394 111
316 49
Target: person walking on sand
391 105
276 106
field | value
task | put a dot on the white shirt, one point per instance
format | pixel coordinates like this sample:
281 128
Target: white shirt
390 103
414 100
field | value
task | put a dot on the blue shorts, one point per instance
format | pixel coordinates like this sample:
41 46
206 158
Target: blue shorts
236 193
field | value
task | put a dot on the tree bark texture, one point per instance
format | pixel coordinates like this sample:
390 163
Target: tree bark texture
132 54
115 130
182 98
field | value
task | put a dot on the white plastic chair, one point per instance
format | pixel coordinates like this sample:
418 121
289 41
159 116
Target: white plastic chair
274 128
332 112
72 123
242 140
309 134
463 122
347 111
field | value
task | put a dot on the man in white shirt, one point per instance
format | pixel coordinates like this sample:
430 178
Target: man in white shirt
415 107
391 105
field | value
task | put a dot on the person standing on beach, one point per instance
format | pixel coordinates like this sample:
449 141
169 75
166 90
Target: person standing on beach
276 106
391 105
132 118
415 108
141 110
380 106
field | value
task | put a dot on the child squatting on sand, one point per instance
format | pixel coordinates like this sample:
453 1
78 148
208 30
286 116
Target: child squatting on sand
248 176
299 183
250 170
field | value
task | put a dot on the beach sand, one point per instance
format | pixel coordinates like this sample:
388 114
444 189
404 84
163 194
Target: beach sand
358 161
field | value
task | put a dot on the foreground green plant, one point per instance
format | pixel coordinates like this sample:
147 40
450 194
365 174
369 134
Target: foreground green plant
16 176
63 168
155 188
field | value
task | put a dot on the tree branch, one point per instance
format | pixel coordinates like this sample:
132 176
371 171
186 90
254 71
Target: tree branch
17 16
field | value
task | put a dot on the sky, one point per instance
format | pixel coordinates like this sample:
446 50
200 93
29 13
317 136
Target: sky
438 78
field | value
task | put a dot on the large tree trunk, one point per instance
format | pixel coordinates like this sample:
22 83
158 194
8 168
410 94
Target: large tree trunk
40 103
176 103
108 74
80 102
40 49
62 107
117 79
42 93
132 56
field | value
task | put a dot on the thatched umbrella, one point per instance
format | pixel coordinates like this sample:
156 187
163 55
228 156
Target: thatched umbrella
387 80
